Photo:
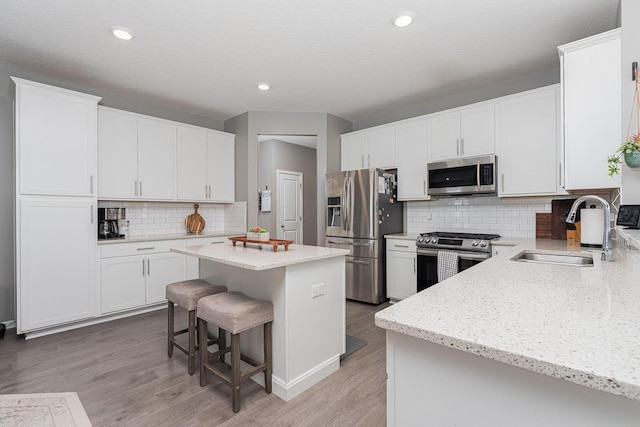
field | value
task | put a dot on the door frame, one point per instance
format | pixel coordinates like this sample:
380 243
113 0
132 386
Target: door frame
300 200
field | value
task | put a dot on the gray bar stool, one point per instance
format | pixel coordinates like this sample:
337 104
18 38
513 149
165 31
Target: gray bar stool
235 312
186 295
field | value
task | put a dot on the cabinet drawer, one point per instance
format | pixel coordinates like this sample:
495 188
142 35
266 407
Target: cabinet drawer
195 241
401 245
139 248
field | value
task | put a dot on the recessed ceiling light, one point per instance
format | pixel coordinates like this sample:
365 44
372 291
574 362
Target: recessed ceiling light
122 33
264 86
403 19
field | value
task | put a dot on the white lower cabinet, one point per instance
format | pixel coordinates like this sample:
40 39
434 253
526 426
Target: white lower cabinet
136 274
192 264
401 269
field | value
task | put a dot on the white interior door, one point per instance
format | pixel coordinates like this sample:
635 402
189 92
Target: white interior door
289 214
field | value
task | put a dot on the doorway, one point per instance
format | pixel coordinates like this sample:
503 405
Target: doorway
289 154
289 214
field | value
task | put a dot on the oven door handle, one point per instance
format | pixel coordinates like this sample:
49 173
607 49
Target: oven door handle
472 256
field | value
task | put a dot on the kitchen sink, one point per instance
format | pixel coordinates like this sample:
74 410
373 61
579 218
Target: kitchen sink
555 258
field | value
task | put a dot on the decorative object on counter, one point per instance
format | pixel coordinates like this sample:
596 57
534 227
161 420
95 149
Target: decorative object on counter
194 222
258 233
629 149
543 225
274 243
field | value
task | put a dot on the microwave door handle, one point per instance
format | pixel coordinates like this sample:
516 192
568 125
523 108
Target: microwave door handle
478 176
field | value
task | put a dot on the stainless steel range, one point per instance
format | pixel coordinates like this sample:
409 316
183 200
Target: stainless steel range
472 248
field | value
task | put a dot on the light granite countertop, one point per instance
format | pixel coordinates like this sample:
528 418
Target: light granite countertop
579 324
178 236
260 257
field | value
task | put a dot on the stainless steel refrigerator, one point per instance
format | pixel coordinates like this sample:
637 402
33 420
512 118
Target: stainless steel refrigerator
361 208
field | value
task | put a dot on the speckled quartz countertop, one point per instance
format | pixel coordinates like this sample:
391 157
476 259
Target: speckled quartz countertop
260 257
580 324
179 236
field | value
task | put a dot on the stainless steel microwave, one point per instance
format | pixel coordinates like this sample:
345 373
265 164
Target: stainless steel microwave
459 177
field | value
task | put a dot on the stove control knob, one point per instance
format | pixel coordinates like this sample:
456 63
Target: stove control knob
434 240
474 243
483 243
421 239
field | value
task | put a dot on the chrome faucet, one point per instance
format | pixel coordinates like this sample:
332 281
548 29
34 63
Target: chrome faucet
607 250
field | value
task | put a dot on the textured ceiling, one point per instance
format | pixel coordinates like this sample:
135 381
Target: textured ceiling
338 56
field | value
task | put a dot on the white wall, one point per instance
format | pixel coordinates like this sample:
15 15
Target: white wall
630 53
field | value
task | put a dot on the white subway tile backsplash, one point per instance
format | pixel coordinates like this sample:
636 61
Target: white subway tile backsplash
151 218
512 217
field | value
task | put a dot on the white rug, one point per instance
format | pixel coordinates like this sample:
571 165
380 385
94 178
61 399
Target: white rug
44 409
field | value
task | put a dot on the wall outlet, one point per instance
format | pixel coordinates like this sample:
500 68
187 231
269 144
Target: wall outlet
317 290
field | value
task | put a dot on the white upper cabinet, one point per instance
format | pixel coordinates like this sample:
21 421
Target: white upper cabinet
117 154
156 159
55 140
136 156
591 107
373 148
528 149
221 166
205 165
465 132
412 159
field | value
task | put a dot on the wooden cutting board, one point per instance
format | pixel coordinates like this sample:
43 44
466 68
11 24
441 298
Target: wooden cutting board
543 225
194 222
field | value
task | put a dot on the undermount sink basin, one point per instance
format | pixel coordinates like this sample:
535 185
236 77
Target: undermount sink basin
559 259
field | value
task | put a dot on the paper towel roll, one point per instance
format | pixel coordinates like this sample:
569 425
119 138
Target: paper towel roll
592 227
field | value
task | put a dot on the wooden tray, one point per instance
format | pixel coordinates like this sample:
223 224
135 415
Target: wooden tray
274 243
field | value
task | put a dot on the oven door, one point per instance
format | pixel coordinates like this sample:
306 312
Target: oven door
428 265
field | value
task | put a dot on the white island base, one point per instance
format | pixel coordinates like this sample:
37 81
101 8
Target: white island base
431 384
306 286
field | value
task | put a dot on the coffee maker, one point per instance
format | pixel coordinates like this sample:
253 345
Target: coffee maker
108 222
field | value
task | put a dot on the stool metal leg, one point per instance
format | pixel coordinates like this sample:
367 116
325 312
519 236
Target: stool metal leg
192 341
267 356
204 351
170 314
235 371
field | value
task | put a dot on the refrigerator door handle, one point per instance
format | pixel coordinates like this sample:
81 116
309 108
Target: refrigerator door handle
355 261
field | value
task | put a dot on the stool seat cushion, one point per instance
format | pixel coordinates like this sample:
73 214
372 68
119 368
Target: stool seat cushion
187 293
234 311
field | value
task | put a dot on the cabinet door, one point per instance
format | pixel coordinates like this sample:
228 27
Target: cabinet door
56 263
122 283
592 104
162 269
192 164
352 151
117 154
192 264
221 175
401 274
56 140
412 160
444 136
156 159
528 154
381 148
477 131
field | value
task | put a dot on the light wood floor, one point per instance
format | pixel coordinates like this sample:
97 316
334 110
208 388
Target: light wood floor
123 376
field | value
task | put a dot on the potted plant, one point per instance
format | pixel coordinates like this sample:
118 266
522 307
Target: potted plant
258 233
629 150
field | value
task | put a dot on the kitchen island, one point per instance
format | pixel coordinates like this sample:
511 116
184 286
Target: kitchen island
307 287
517 343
